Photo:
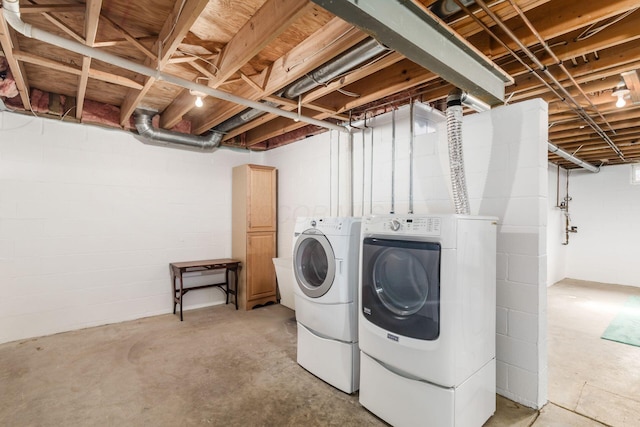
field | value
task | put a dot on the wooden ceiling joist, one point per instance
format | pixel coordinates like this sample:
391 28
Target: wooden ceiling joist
9 42
302 59
178 23
268 23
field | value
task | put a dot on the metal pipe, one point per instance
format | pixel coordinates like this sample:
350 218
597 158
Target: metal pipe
371 176
338 180
364 51
11 11
143 119
393 161
557 60
579 110
363 165
474 103
411 132
331 172
351 180
570 157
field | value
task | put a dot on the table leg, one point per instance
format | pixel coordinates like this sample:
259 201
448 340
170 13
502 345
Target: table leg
226 281
173 289
235 288
181 286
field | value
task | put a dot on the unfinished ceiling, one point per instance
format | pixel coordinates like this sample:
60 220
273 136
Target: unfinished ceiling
296 56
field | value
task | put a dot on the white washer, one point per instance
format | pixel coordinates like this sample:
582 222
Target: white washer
427 319
325 265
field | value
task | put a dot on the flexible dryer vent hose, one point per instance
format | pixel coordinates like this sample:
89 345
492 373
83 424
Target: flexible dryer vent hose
456 159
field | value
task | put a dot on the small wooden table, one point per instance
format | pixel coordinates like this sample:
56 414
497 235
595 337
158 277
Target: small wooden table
178 268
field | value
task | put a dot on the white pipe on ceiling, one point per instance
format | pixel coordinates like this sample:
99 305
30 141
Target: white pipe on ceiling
11 12
573 159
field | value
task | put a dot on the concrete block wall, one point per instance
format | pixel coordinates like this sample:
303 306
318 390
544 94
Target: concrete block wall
506 164
605 207
90 219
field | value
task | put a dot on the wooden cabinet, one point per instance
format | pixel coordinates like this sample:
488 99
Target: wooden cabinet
254 233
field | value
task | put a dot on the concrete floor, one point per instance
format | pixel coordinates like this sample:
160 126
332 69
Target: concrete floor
225 367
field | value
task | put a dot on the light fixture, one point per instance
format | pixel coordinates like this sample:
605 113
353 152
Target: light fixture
620 92
198 102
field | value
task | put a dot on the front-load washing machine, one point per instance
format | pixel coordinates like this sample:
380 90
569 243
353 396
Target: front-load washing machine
427 319
325 265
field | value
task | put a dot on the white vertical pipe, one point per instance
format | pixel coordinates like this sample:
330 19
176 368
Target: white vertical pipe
363 171
351 176
393 161
371 176
411 131
330 172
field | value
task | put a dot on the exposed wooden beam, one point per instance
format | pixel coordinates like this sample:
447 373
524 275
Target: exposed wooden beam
46 8
91 20
556 18
305 57
323 90
397 78
183 15
66 68
9 42
274 17
128 37
61 25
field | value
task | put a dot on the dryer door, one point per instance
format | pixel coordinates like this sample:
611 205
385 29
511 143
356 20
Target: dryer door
314 263
401 286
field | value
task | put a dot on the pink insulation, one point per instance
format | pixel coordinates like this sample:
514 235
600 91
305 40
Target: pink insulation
39 101
105 114
8 86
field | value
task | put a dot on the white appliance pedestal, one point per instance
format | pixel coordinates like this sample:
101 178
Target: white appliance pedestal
403 401
335 362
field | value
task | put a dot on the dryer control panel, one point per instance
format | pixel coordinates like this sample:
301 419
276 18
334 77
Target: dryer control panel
415 225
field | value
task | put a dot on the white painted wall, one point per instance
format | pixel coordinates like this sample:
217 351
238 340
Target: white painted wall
556 250
506 163
605 207
90 219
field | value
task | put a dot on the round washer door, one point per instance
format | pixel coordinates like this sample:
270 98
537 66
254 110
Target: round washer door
314 263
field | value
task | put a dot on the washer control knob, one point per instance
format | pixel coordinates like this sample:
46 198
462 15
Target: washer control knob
313 223
395 225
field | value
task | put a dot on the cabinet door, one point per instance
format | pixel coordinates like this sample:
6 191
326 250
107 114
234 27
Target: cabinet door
261 200
261 274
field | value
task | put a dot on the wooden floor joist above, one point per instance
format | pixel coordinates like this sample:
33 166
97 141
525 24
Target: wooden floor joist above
256 49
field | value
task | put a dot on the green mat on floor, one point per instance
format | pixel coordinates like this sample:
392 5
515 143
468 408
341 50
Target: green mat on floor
625 328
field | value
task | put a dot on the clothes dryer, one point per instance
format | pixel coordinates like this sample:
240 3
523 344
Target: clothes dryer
325 265
427 319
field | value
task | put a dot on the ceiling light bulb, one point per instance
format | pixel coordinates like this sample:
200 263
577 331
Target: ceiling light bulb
199 102
621 102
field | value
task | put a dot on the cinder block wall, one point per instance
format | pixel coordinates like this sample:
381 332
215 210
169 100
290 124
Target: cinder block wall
506 163
90 219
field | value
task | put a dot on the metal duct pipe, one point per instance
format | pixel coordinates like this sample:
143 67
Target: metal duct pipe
474 103
456 159
11 11
145 128
360 53
364 51
573 159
